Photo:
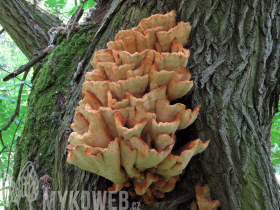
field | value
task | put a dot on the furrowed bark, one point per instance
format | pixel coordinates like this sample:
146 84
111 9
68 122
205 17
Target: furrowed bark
236 69
27 23
235 65
41 14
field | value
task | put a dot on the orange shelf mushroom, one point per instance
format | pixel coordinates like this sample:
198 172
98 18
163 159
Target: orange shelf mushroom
204 200
125 128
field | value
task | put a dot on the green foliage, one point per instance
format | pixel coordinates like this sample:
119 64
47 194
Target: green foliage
10 59
58 4
89 4
275 139
86 6
59 7
73 10
64 9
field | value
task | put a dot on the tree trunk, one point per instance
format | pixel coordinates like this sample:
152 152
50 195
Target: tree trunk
236 68
234 61
27 23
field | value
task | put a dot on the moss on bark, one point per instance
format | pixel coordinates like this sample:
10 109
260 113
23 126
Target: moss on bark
47 101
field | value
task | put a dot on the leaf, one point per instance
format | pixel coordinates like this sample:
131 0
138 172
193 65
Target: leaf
25 92
17 121
18 83
7 99
55 4
23 110
276 118
274 156
2 83
73 10
276 161
275 141
275 134
89 4
3 166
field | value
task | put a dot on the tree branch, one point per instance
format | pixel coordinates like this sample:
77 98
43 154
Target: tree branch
17 109
9 156
2 142
25 67
76 19
16 78
10 151
14 115
275 154
2 31
56 9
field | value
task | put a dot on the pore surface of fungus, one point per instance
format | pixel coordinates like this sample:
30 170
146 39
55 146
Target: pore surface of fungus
125 128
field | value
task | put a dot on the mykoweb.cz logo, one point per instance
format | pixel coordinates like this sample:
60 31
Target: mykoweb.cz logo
89 200
27 186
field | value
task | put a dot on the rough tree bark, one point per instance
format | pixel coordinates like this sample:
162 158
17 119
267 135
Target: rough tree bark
27 22
235 48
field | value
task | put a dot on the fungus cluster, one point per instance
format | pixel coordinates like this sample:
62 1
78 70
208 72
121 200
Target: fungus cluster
125 128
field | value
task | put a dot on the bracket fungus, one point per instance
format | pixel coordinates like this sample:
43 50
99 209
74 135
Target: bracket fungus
125 128
203 199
